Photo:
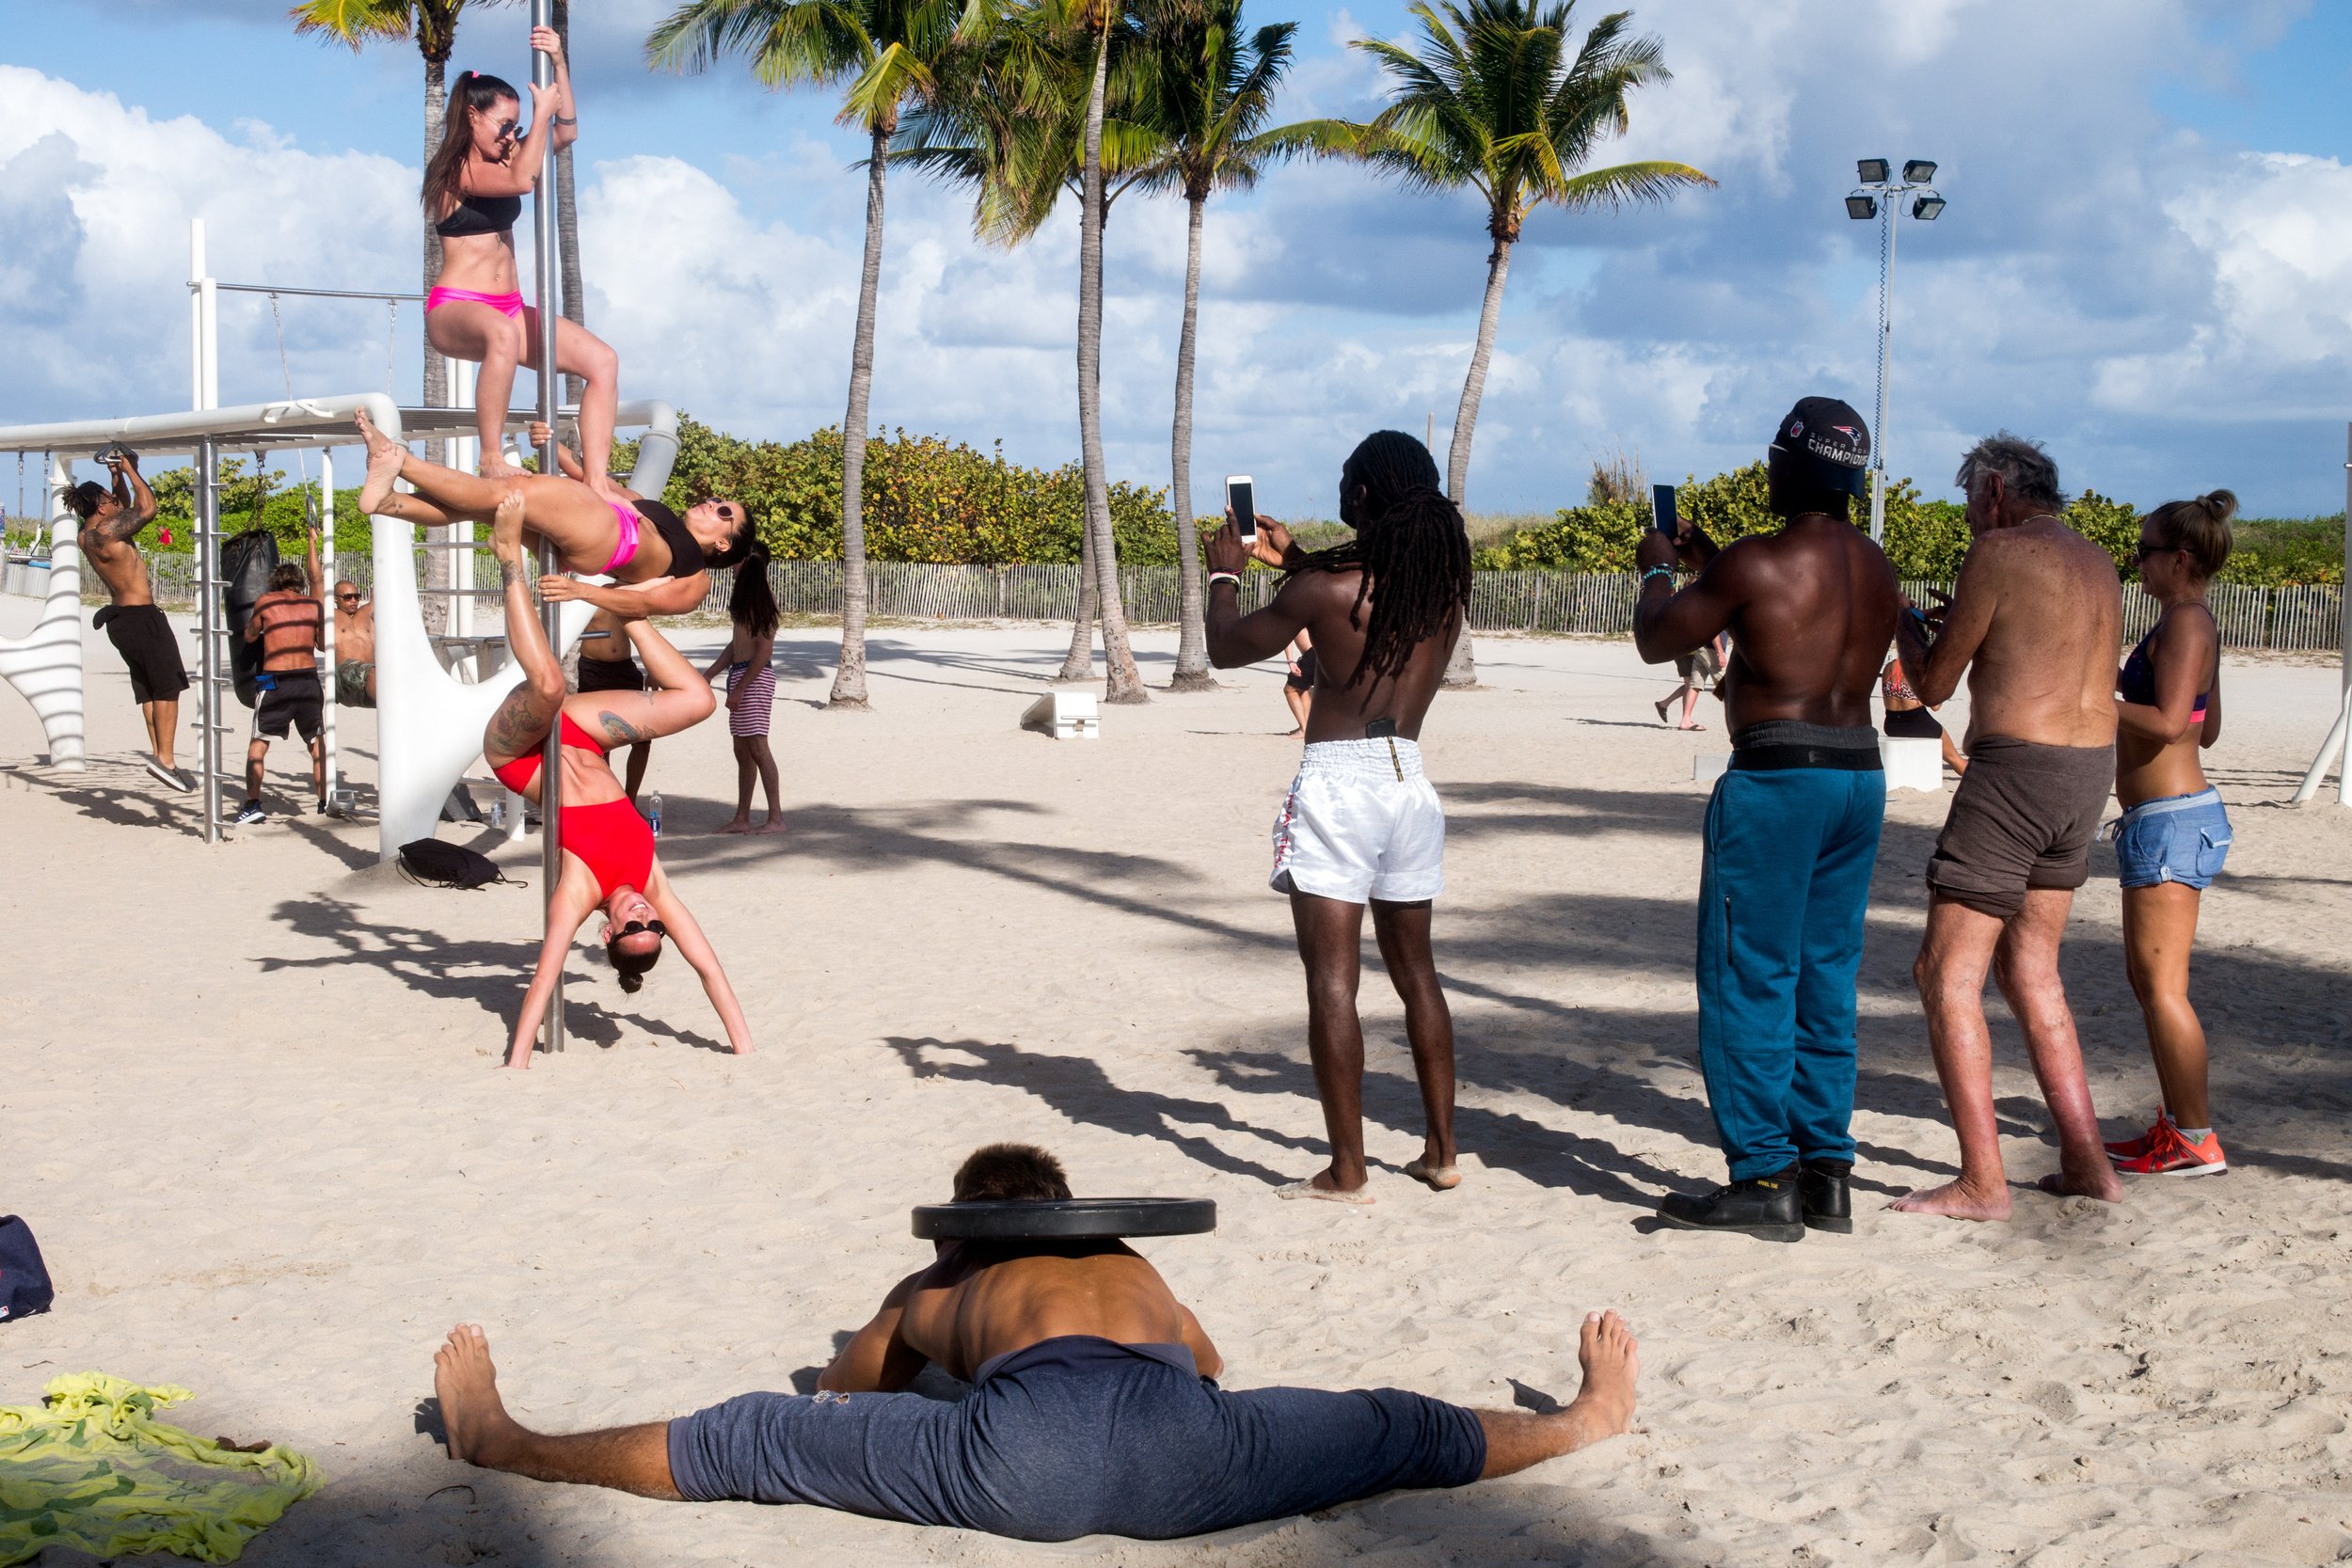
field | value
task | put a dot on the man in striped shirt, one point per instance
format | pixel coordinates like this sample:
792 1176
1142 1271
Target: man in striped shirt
289 624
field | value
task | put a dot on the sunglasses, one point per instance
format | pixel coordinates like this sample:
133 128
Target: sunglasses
727 513
346 598
2146 549
510 129
636 926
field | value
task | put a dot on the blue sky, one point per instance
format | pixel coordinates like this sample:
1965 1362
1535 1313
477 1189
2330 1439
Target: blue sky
2146 262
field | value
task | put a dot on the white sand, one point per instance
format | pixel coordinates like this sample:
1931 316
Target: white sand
250 1106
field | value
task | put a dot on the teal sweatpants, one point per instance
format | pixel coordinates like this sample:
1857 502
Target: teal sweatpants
1783 888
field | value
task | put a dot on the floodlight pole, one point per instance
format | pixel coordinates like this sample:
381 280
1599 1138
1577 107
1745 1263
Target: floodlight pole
550 312
1887 195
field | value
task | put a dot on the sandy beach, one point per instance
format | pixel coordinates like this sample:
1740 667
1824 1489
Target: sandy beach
251 1109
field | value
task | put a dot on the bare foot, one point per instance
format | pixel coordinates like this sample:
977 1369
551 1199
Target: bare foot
773 825
606 487
1441 1177
1321 1185
2101 1184
506 525
467 1384
1956 1201
1293 735
385 457
499 468
739 825
1611 1361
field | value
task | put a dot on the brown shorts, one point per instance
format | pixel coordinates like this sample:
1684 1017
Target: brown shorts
2023 817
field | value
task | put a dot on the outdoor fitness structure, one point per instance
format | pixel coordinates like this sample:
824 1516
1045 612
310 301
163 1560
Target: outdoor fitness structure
429 720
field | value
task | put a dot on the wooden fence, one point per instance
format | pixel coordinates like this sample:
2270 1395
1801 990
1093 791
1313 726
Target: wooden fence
2304 619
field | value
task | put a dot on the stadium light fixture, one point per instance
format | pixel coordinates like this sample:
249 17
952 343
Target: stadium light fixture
1880 198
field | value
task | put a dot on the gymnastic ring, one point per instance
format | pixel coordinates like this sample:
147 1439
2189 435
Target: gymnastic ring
1059 1219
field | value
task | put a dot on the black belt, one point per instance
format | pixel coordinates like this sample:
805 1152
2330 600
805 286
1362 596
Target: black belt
1850 759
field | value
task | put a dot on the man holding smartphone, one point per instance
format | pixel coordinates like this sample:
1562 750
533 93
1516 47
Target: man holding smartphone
1793 828
1361 824
111 520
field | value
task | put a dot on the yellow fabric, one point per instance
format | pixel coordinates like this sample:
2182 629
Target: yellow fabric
94 1470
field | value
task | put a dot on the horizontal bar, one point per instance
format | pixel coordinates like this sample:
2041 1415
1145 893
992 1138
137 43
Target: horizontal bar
314 294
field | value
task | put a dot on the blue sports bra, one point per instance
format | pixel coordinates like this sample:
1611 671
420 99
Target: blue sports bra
2137 683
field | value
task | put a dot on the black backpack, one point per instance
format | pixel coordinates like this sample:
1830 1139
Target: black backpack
430 863
25 1287
246 564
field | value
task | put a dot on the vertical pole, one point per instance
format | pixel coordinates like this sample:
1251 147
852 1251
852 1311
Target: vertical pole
326 591
195 313
208 631
543 266
2336 751
464 454
1887 369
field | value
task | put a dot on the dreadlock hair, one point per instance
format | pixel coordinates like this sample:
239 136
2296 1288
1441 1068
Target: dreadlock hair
1410 543
83 500
754 602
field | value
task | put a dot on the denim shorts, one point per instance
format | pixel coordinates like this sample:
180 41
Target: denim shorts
2173 838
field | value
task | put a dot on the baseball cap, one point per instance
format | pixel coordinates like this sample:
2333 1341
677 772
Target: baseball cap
1829 441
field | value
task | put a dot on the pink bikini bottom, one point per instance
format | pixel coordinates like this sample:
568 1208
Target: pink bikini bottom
627 546
512 304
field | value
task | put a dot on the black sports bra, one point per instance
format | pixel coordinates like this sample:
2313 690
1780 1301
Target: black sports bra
480 214
686 551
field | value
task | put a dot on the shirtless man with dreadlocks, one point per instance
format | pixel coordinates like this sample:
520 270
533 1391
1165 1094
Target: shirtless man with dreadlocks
1361 823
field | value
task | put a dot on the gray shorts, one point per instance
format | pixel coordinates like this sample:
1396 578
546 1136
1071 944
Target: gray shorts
2023 817
1077 1437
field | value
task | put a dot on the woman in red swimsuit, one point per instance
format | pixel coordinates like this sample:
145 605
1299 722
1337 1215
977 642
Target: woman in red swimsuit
473 191
656 558
609 860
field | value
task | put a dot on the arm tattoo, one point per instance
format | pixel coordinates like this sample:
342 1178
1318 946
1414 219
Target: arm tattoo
619 731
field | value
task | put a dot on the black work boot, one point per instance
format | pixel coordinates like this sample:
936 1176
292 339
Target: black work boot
1827 1204
1767 1207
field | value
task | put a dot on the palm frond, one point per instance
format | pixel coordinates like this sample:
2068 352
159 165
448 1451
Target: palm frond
354 23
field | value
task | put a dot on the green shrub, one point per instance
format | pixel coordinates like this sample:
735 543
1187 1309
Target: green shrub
2270 552
926 499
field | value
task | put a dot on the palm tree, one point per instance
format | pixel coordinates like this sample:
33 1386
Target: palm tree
1010 122
567 220
1213 89
1493 102
889 50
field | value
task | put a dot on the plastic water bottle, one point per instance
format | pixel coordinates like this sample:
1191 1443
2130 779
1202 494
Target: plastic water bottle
654 817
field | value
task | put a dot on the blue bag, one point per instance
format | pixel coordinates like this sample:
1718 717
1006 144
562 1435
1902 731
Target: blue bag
25 1287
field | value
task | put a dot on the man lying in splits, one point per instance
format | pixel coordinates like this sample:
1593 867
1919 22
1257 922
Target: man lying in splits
658 561
1094 1408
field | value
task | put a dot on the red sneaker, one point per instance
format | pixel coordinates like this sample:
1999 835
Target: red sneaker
2169 1154
2132 1149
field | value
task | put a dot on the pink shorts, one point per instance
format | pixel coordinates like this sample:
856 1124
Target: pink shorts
512 304
625 547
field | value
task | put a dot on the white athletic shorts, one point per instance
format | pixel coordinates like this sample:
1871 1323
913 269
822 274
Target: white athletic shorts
1360 822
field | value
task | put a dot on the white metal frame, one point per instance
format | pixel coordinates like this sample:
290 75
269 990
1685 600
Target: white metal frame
2336 751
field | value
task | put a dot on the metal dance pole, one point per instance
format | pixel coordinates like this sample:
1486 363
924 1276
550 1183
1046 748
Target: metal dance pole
550 312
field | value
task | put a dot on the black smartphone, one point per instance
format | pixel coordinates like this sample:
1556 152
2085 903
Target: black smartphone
1661 510
1241 499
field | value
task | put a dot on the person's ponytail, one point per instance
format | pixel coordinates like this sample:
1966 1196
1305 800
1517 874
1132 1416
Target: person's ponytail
445 171
753 605
2201 526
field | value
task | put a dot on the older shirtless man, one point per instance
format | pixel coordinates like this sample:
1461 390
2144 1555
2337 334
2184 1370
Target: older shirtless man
1361 824
1792 827
1093 1409
354 647
111 520
2036 619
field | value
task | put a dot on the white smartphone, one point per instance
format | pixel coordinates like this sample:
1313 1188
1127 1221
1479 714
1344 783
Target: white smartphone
1241 499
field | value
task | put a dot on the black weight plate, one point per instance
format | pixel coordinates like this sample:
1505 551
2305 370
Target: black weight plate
999 1220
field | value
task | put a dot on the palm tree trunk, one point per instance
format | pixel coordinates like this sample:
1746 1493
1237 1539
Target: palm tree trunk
1125 684
567 224
849 681
436 565
1474 386
1192 635
1078 663
1462 669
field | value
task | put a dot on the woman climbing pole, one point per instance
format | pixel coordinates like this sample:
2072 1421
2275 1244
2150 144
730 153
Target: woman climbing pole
609 860
473 191
658 559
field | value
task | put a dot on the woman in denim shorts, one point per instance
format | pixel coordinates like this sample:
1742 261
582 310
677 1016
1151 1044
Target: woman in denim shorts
2174 834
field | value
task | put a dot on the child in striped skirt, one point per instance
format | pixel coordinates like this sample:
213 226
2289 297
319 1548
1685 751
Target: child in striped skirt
752 690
